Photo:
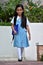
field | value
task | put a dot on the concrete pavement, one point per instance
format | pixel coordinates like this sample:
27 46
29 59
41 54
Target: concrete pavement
21 63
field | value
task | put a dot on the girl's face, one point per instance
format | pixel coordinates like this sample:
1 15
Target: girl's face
19 11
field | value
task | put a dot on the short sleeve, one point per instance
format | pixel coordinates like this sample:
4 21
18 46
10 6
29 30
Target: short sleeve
28 22
12 21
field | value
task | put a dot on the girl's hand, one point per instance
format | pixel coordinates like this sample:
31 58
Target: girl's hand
12 26
15 32
29 37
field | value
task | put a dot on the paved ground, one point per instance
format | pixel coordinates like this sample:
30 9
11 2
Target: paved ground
20 63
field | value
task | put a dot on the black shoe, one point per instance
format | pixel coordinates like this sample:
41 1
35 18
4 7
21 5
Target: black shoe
20 60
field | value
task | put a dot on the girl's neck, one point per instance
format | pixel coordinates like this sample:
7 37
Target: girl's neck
19 16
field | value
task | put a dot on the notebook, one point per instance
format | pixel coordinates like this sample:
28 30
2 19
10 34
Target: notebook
16 29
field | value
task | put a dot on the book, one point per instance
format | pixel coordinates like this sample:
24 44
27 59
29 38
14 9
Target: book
16 29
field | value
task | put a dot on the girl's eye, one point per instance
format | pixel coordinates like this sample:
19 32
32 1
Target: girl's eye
19 10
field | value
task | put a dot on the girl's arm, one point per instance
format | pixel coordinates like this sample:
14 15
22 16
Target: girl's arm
28 29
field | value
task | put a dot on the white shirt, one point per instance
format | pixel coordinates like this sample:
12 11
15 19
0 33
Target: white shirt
12 21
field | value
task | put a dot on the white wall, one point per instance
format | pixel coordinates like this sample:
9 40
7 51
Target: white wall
6 48
36 37
30 53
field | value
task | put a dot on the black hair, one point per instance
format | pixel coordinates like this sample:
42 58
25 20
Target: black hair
23 18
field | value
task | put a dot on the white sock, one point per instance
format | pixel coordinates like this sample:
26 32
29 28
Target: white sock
19 53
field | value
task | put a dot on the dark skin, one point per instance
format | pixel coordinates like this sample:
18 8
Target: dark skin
19 11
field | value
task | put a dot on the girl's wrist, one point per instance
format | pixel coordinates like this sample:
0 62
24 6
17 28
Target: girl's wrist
29 33
13 29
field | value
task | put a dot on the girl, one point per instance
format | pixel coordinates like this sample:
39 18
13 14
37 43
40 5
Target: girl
20 38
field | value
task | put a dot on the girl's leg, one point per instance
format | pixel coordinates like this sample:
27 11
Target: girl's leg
19 53
22 49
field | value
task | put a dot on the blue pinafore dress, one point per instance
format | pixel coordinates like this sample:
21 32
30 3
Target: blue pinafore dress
20 39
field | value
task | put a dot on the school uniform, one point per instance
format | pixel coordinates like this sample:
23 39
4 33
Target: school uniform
20 39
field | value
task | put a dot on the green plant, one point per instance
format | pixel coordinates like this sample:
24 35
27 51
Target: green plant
5 24
34 13
30 2
7 9
2 15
